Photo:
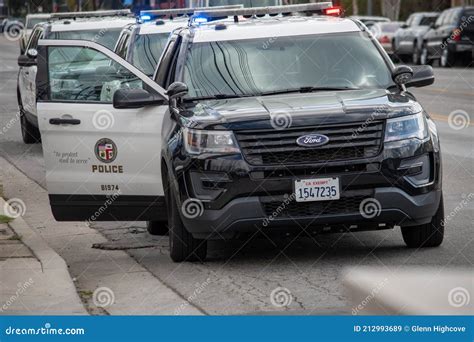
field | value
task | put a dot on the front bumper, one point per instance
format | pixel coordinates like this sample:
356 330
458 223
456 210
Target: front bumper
396 207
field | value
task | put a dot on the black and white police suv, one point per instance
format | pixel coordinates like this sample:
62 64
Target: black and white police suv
102 27
268 122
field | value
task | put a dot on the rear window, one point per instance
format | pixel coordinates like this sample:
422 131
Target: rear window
105 37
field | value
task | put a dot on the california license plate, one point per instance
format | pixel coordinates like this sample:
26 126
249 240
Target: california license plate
317 189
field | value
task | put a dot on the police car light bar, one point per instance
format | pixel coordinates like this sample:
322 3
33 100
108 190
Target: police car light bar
90 14
184 11
318 7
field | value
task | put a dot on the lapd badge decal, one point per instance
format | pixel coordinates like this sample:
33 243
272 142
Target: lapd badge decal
105 150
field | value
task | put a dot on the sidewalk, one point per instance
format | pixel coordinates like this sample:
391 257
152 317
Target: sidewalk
109 281
34 280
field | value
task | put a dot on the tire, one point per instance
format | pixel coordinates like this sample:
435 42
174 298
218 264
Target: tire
424 56
183 246
447 59
29 132
415 56
426 235
157 227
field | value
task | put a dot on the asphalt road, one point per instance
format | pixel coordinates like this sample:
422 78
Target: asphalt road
240 275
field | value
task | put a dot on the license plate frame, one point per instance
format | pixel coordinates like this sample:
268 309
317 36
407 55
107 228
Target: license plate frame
314 186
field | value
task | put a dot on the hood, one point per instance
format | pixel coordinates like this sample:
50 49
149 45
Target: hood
300 109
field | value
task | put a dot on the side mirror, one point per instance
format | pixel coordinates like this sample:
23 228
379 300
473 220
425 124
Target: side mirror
404 26
25 61
402 74
32 53
135 98
177 90
422 76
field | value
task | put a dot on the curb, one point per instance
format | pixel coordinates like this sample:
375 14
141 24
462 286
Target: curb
51 262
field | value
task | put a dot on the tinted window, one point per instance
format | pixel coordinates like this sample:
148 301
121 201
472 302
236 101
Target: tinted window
85 75
146 51
427 21
105 37
249 67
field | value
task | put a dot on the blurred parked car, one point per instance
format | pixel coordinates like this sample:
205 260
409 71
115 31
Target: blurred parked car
408 39
450 38
369 20
384 32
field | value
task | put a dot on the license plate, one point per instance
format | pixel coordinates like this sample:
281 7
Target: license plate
317 189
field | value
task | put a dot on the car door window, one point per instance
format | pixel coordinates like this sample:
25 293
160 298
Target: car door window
85 75
165 62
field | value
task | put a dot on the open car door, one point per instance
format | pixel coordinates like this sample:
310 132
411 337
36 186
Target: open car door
102 163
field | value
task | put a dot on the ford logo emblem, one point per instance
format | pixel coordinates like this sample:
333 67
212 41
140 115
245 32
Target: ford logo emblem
312 140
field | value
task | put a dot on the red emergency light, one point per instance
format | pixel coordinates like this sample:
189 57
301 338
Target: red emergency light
335 11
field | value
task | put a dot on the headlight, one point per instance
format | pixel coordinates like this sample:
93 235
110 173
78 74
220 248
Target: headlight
406 127
198 141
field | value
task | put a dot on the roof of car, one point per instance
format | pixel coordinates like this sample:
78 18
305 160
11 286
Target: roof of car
162 25
271 27
39 15
90 23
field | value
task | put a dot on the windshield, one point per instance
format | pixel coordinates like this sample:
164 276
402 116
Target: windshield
251 67
33 21
105 37
146 50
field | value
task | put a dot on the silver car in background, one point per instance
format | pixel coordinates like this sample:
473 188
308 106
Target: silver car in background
384 33
408 39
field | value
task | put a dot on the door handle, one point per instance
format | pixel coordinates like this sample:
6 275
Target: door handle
58 121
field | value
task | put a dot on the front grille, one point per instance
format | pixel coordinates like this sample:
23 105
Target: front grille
345 205
348 141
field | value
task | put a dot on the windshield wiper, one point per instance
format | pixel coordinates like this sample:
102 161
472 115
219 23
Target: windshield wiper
216 97
305 90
